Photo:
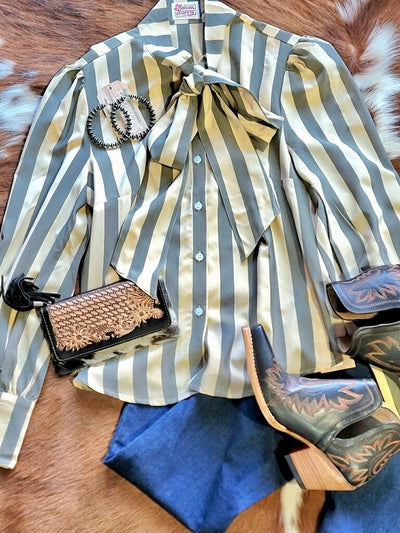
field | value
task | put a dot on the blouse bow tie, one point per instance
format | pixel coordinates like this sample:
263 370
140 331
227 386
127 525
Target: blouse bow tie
232 126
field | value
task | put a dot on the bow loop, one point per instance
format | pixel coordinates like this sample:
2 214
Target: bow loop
193 83
232 126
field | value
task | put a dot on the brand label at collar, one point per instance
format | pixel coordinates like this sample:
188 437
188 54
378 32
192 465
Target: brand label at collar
185 11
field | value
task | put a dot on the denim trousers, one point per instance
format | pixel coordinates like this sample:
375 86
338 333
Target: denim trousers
207 459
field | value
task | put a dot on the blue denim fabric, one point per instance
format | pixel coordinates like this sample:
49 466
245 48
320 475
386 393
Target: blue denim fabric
207 459
203 459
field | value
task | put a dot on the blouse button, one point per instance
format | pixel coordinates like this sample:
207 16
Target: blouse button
198 206
197 159
199 257
199 311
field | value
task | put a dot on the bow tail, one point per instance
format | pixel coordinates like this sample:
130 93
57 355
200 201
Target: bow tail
245 188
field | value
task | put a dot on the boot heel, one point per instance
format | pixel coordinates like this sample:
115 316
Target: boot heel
313 470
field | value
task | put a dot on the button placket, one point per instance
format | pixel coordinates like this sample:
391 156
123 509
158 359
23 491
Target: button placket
199 232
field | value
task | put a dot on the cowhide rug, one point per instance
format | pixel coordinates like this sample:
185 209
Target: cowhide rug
59 483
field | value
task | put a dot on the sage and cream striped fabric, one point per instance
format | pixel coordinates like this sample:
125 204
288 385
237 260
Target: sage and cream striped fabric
262 180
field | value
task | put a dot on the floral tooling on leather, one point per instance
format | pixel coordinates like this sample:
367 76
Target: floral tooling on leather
88 319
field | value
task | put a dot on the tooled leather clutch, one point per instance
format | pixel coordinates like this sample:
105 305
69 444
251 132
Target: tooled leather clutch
106 322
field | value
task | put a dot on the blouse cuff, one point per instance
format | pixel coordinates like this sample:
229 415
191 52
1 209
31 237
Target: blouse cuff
15 413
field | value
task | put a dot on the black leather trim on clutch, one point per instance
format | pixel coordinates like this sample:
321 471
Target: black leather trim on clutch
79 327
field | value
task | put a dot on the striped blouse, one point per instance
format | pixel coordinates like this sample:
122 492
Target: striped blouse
262 180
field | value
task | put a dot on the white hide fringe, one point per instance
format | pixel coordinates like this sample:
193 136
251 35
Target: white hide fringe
18 104
350 10
291 503
380 86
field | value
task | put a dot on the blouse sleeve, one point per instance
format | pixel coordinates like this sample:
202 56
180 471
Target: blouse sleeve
44 235
337 160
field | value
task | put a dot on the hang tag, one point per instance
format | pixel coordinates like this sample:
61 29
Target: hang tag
185 11
115 90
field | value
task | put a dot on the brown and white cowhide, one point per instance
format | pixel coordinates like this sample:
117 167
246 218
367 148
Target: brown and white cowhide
59 484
